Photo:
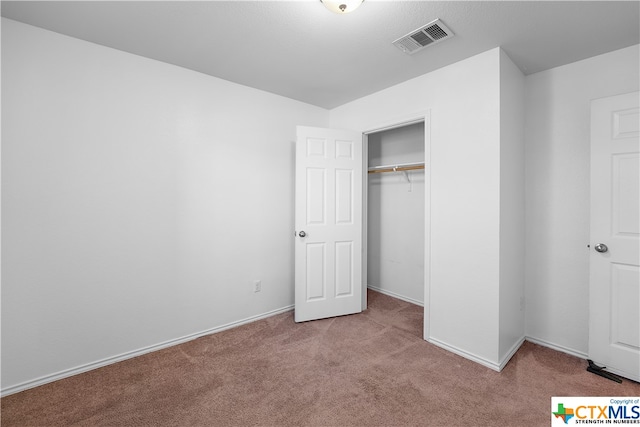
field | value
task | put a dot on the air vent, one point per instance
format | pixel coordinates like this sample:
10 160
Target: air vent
432 33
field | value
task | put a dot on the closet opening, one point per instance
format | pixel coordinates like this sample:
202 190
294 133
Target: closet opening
395 214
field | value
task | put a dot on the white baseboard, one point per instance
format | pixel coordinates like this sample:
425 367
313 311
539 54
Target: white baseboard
557 347
481 360
135 353
510 353
398 296
474 358
124 356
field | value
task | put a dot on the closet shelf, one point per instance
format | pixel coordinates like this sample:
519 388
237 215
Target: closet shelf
397 168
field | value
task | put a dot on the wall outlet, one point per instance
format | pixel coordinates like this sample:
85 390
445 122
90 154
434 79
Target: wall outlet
257 286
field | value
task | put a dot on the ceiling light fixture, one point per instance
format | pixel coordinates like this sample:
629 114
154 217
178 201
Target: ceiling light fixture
341 6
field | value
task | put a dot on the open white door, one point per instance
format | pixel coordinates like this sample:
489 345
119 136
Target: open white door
328 221
614 282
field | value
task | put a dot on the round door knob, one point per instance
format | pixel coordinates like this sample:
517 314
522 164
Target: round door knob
302 234
601 247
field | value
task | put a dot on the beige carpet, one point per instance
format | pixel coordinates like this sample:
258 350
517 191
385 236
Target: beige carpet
366 369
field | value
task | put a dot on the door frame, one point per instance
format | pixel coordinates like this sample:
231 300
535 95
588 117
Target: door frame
380 126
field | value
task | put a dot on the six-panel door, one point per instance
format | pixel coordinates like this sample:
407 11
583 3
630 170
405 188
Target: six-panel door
614 292
328 221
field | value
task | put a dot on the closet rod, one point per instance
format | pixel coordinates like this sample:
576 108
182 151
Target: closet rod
397 168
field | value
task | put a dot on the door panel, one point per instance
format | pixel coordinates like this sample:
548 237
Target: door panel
626 189
316 266
614 288
316 196
344 269
625 294
328 252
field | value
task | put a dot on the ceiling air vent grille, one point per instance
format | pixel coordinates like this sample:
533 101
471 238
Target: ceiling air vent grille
430 34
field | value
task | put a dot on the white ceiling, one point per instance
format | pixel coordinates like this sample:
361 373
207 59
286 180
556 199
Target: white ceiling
300 50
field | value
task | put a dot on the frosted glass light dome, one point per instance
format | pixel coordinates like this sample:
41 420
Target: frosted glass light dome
340 7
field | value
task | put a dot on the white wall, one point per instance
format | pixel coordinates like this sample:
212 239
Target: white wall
463 163
557 192
140 200
512 213
395 235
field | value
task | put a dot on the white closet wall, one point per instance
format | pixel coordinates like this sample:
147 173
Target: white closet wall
474 275
395 206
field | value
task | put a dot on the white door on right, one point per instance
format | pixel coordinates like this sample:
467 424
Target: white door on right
614 277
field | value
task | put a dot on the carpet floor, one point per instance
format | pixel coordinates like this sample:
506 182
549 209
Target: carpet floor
369 369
